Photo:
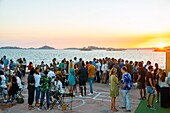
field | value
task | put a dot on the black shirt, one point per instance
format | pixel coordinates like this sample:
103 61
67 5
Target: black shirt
31 80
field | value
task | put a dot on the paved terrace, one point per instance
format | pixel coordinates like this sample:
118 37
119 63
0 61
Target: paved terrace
97 103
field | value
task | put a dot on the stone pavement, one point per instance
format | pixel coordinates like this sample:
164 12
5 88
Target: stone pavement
99 102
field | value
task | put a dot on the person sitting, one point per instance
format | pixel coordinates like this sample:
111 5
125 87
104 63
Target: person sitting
12 87
3 85
18 81
58 83
59 74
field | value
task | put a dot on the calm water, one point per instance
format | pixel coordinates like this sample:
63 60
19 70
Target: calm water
36 56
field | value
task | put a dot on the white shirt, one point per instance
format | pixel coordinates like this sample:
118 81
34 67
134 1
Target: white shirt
76 61
3 81
102 67
37 79
58 85
19 82
24 63
106 67
51 74
98 66
163 84
2 66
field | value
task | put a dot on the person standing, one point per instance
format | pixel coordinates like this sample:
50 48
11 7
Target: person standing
126 87
31 88
76 69
91 73
129 68
45 82
37 77
114 91
141 72
61 65
71 65
104 70
11 65
118 69
30 66
6 61
24 64
135 75
71 79
82 79
157 71
98 71
80 63
75 60
164 89
150 88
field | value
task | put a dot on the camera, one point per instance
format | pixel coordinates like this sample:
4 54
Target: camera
121 81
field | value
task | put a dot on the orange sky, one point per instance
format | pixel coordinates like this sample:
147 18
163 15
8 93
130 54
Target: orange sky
62 24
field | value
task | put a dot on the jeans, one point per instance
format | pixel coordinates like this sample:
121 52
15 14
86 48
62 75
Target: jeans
47 98
37 95
91 84
125 99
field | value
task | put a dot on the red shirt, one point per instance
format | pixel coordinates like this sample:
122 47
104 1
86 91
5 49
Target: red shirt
29 67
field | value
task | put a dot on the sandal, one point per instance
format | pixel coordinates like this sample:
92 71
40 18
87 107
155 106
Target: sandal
115 110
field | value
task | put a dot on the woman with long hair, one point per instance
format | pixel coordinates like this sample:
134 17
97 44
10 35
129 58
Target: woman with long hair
164 92
157 77
71 79
114 91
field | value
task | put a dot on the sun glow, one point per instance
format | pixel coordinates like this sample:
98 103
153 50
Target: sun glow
161 45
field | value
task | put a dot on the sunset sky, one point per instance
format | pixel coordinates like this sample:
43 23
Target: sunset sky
79 23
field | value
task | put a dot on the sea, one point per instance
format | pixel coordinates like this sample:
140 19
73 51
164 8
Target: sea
36 56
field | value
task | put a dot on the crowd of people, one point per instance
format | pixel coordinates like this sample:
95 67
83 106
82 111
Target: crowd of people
119 74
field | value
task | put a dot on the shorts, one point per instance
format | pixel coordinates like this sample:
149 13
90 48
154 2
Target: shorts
4 91
150 90
82 83
141 85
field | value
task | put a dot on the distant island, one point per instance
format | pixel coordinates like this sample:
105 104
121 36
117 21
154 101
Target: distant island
11 47
46 47
90 48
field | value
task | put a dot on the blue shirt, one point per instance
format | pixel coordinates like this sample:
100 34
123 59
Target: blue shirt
6 62
94 63
121 64
134 69
127 79
12 66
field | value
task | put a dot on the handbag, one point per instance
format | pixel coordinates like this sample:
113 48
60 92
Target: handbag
77 80
20 100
